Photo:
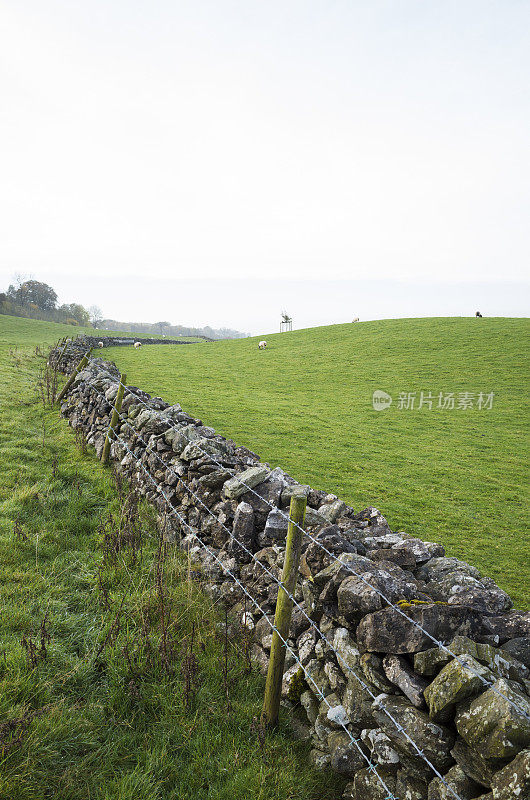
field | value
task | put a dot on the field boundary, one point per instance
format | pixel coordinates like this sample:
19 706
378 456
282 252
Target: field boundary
370 602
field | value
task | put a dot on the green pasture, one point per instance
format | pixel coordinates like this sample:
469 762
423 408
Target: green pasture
453 475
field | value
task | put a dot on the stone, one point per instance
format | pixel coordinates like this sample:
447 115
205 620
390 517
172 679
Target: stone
310 705
458 680
243 532
293 489
348 655
492 725
519 648
409 787
346 758
368 785
472 763
215 479
372 667
275 527
332 511
513 781
299 621
203 448
389 631
319 759
313 519
420 550
317 679
334 675
293 678
436 569
465 590
358 698
266 494
180 439
457 781
240 483
306 645
359 595
380 747
399 672
429 662
260 658
499 661
403 558
315 558
434 740
341 568
507 626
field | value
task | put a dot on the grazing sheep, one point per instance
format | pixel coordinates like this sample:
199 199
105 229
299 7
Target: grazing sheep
100 344
262 345
356 319
137 345
478 314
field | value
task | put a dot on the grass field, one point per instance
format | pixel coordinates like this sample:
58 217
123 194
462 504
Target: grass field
94 654
455 476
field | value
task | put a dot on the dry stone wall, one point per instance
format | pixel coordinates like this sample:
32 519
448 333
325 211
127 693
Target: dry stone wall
375 597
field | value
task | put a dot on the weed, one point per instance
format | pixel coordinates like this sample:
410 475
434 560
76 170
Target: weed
36 651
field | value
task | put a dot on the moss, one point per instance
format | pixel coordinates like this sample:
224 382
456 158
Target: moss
297 687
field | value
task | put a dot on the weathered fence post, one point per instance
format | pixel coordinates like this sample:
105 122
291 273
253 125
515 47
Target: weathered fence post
284 607
114 420
63 351
82 364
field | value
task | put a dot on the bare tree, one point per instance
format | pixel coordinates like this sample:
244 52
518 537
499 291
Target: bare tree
96 317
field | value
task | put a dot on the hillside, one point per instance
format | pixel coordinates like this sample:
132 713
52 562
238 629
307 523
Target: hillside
457 476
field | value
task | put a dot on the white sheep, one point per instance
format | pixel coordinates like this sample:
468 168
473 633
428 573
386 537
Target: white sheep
100 344
356 319
137 345
262 345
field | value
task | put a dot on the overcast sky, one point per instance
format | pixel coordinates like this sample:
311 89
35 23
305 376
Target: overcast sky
162 158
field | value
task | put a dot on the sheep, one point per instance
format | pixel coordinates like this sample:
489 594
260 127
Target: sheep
262 345
100 344
137 345
478 314
355 320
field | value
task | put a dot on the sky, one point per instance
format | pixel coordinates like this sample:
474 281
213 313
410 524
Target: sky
218 162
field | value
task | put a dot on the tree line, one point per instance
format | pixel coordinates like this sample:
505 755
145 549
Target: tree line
37 300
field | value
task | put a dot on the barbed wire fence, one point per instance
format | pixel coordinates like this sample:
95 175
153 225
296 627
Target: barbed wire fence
344 564
183 524
312 624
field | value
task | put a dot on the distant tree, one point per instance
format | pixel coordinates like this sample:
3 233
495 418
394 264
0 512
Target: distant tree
76 312
27 292
96 317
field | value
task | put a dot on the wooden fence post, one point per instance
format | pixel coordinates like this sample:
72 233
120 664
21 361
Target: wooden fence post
80 366
114 420
63 351
284 607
